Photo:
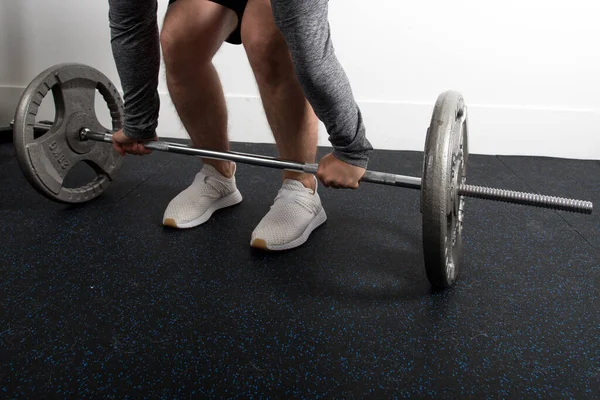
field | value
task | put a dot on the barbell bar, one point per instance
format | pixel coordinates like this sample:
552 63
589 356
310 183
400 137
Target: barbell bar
382 178
46 152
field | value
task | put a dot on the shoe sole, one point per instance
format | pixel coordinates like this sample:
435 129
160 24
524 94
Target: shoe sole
317 221
227 201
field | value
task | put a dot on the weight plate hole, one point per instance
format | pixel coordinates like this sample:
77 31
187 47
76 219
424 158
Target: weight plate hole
102 111
79 175
45 116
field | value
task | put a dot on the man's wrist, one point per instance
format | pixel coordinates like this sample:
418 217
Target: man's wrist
360 160
139 134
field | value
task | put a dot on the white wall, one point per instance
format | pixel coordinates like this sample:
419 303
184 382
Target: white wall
529 69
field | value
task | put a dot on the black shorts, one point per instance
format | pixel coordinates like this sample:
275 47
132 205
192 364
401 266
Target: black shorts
238 6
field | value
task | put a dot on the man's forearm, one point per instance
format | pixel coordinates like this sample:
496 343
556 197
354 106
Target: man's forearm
305 27
136 50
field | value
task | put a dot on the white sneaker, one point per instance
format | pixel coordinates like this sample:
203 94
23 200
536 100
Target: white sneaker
295 213
209 192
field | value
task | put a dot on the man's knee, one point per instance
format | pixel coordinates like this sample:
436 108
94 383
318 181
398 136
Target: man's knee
193 31
183 44
266 49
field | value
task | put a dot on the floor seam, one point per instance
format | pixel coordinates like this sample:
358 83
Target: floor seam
532 189
136 186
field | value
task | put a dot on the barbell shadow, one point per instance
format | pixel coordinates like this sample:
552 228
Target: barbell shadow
357 269
359 282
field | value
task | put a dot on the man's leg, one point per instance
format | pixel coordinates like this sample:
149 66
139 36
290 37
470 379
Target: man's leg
297 209
192 33
290 116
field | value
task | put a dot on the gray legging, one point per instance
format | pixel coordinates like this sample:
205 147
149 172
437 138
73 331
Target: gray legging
305 27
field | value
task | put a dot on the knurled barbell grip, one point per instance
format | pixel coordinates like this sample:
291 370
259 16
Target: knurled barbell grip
158 146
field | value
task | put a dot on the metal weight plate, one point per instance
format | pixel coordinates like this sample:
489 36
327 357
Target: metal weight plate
444 169
46 159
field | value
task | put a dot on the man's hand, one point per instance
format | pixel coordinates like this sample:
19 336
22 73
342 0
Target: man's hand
338 174
124 145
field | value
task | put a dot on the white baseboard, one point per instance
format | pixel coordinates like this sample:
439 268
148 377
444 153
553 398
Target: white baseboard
9 98
507 130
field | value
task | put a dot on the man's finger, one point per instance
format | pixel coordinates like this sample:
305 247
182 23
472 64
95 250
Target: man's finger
127 149
119 149
145 150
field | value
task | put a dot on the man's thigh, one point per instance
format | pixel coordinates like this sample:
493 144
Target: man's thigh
237 6
258 18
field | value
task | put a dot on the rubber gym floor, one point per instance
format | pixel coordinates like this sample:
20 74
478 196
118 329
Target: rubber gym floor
101 301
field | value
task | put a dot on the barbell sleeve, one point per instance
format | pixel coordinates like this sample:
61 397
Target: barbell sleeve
527 199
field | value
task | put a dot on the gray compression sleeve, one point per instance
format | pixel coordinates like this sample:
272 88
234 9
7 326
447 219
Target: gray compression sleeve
136 50
305 27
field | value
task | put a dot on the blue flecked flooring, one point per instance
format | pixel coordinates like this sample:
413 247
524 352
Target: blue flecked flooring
101 301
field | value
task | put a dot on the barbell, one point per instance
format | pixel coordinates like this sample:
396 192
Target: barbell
46 152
